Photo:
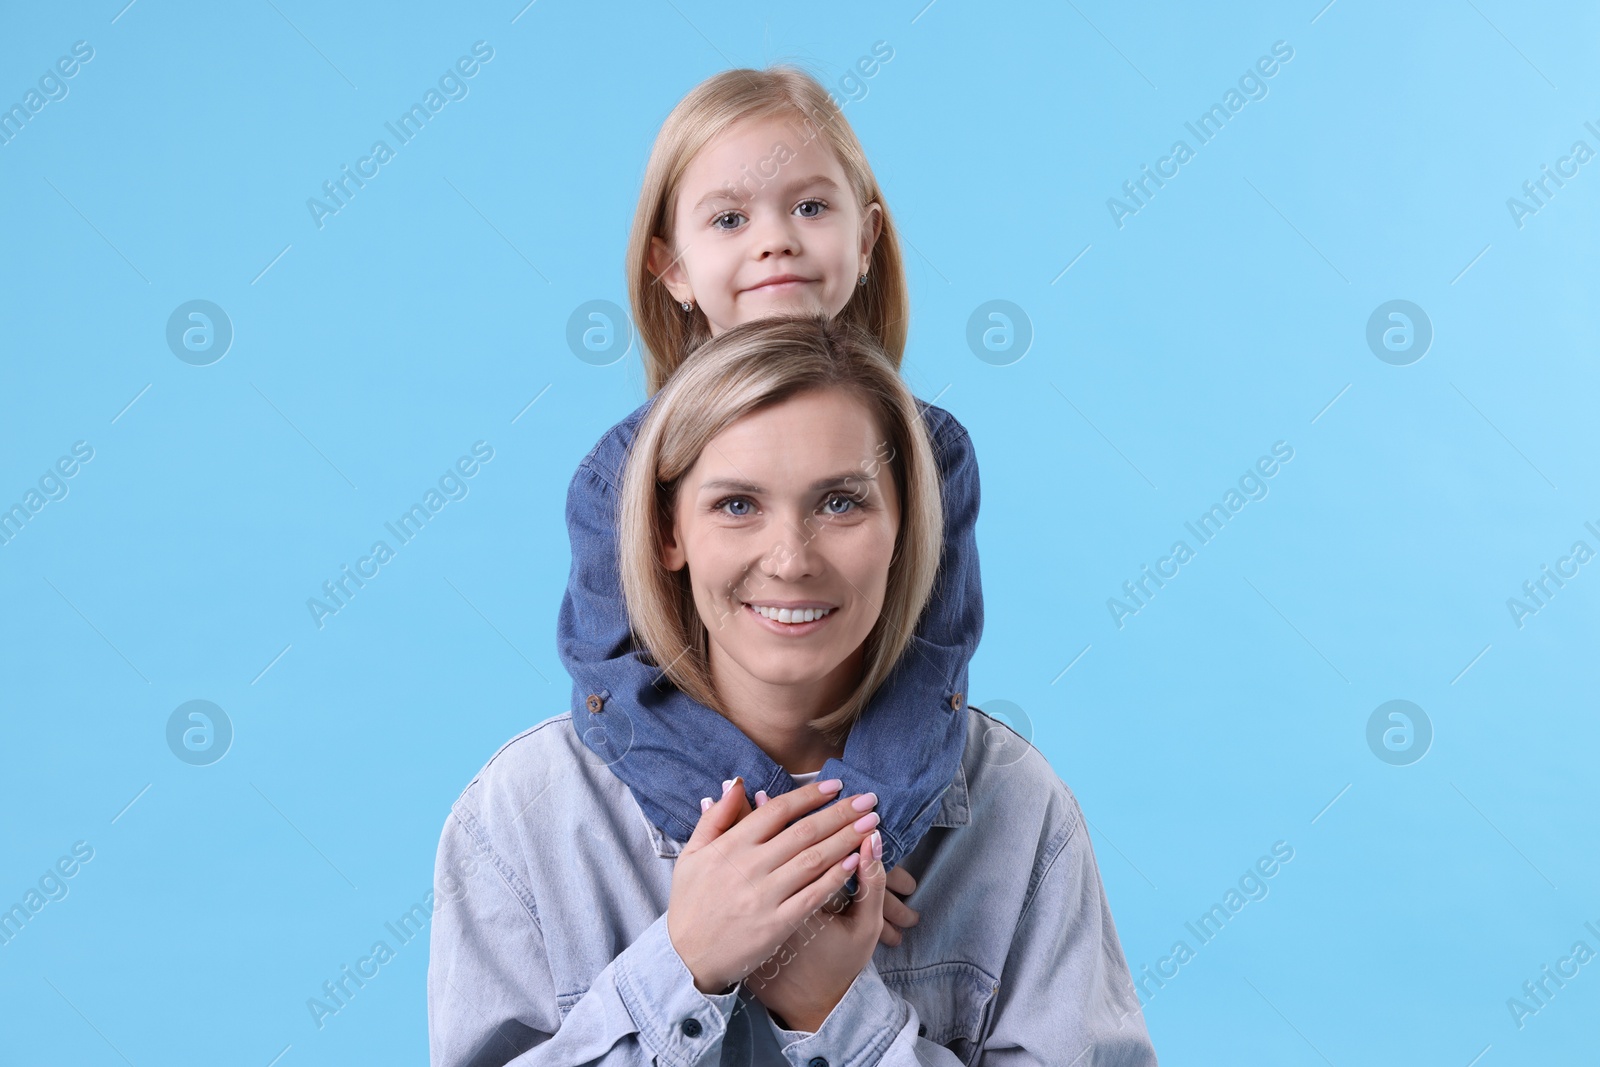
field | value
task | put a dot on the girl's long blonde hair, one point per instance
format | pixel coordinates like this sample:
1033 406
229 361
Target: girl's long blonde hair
668 333
742 370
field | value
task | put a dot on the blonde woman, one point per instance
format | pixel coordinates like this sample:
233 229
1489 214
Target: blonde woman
572 930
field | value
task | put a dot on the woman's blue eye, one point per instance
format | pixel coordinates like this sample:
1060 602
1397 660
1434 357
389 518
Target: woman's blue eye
850 500
740 507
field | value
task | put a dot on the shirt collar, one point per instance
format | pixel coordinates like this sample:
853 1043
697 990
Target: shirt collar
953 807
954 810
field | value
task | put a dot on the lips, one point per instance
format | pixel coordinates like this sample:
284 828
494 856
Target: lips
793 614
791 629
781 279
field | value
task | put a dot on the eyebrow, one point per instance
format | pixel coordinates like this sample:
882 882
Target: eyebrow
817 486
727 192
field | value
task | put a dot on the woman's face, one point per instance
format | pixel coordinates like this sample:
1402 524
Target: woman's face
761 203
791 507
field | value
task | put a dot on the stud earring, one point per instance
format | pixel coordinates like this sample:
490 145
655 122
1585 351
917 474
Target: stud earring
862 280
687 305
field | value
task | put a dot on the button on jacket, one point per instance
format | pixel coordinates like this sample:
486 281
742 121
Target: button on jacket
549 940
671 750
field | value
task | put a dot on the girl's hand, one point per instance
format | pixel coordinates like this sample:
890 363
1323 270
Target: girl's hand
745 881
815 966
897 915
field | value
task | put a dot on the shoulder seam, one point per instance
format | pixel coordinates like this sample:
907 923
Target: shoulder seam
590 466
1058 841
623 434
551 721
463 811
469 821
1055 849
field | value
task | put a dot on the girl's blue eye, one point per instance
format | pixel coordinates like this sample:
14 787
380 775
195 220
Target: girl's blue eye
820 205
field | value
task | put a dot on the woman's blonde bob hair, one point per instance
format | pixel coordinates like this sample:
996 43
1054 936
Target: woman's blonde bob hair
668 333
745 369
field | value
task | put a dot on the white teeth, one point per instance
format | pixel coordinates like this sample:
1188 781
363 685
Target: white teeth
792 616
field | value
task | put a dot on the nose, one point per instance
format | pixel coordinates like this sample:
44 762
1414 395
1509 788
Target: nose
793 555
775 235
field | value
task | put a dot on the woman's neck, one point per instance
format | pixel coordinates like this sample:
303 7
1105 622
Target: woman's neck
775 716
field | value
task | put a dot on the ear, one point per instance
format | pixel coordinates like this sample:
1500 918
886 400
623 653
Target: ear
871 230
672 555
668 269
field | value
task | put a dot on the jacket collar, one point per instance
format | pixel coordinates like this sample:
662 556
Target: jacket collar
954 810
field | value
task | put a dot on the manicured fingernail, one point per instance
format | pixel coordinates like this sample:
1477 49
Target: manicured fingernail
877 845
850 861
867 821
705 804
864 801
832 785
727 784
761 797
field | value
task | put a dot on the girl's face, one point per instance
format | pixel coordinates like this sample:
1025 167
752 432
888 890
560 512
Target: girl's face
765 224
792 506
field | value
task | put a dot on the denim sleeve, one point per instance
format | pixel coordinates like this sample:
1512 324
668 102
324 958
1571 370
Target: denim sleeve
947 633
872 1024
949 630
492 1001
1066 990
1065 996
593 625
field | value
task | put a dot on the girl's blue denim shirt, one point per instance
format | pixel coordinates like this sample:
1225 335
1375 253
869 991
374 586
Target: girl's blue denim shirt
672 750
549 940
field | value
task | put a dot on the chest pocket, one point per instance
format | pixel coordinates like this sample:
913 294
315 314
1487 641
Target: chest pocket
953 1000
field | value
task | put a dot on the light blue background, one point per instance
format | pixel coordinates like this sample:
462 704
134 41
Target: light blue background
1228 314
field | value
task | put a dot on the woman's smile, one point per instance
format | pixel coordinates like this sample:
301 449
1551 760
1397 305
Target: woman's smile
791 622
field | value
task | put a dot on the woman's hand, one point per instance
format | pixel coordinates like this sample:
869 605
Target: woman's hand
897 915
814 968
745 881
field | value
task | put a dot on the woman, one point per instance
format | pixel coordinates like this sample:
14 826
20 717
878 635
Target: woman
779 536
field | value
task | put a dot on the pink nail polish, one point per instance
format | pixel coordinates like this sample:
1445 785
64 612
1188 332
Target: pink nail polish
864 801
761 797
832 785
867 821
705 804
877 845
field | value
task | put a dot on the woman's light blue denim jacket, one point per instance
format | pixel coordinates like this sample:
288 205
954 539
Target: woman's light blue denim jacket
672 750
549 942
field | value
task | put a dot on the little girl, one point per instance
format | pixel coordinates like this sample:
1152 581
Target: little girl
758 201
